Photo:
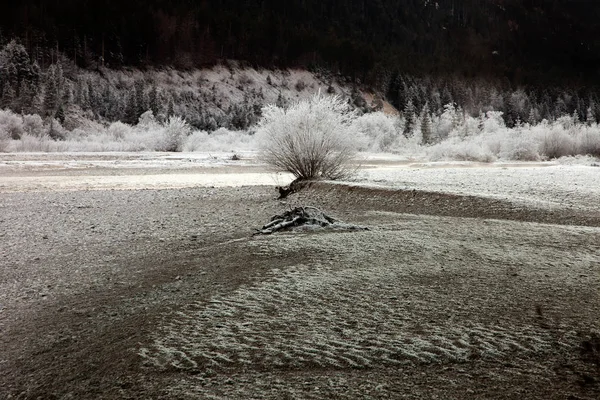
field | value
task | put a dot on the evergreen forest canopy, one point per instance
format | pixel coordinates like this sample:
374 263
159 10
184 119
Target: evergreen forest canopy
526 41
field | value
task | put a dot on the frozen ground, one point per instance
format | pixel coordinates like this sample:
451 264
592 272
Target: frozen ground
127 171
547 185
460 289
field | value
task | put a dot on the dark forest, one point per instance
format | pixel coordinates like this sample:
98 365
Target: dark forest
527 42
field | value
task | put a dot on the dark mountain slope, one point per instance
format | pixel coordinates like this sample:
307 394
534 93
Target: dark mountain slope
527 41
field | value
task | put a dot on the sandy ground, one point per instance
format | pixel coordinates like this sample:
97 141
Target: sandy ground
128 281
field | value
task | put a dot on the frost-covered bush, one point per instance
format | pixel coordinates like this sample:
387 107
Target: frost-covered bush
4 141
310 139
37 143
461 150
445 123
33 125
174 133
588 140
76 118
220 140
147 121
493 122
557 143
11 125
119 131
471 126
566 122
376 132
197 141
55 130
519 146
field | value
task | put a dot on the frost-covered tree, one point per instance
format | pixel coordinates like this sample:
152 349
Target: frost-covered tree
590 116
141 103
533 117
560 107
309 139
281 102
8 97
446 97
18 77
15 64
57 94
410 118
51 92
153 100
426 126
170 107
130 112
376 131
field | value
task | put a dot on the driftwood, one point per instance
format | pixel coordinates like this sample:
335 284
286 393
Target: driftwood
303 216
296 185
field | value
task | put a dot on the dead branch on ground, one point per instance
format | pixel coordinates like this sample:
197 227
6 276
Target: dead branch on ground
303 216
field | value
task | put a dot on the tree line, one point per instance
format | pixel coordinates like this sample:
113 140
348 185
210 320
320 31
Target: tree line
526 42
62 90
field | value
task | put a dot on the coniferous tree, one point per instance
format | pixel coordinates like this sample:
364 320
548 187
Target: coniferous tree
107 103
281 101
459 118
141 105
51 95
590 118
24 102
532 120
60 113
410 119
15 65
8 97
426 128
153 100
591 112
560 107
446 96
130 112
83 95
171 107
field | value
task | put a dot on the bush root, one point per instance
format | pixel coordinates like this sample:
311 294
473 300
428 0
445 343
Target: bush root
303 216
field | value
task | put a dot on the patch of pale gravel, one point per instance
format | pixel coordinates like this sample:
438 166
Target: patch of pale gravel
42 172
123 160
135 181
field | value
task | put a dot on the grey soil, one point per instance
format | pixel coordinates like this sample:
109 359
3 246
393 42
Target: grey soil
166 294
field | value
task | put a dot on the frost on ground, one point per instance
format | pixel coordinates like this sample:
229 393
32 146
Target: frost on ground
104 171
416 291
166 294
529 184
546 185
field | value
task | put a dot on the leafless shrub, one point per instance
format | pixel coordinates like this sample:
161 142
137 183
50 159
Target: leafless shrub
308 139
11 125
175 132
557 143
